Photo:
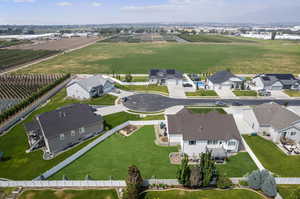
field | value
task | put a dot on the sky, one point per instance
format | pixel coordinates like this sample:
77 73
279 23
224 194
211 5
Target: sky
45 12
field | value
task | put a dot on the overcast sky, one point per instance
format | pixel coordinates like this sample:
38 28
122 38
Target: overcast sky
132 11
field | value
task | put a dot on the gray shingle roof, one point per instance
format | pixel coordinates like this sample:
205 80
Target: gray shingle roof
66 119
284 79
221 76
90 82
272 114
209 126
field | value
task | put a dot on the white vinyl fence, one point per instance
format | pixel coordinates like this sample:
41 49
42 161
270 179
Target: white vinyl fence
85 149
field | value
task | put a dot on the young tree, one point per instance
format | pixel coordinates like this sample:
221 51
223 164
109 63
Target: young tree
224 182
183 173
254 180
195 177
134 183
207 165
128 77
269 186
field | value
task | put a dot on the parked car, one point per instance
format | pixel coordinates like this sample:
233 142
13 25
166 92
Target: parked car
124 99
220 103
264 92
187 85
235 103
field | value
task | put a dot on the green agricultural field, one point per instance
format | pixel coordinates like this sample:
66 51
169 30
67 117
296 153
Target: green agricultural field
14 143
273 158
69 194
204 194
215 38
9 58
257 57
4 43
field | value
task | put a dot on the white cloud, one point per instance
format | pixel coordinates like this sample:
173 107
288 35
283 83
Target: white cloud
96 4
64 3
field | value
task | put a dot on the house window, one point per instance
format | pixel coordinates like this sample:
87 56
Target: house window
73 133
215 142
231 143
81 130
209 142
62 136
192 142
293 133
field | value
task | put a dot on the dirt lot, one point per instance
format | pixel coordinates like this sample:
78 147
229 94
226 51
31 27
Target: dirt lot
63 44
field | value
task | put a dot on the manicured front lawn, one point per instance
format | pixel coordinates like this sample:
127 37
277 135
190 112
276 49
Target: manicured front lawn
148 88
203 194
206 110
287 191
249 93
113 156
202 92
292 93
237 165
69 194
273 158
19 165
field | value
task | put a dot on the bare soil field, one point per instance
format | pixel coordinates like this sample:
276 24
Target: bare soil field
62 44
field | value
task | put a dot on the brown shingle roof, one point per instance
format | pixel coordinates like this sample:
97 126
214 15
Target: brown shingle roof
209 126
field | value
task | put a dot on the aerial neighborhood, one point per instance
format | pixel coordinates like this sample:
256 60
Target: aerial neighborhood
148 112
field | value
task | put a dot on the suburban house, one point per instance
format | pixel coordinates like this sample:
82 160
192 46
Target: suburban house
275 121
165 77
224 79
275 82
197 133
62 128
86 88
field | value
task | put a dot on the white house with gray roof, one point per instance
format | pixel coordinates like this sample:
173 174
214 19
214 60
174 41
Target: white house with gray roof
197 133
224 79
86 88
275 82
276 121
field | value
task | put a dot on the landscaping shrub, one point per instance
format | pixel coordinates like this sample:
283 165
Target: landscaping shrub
254 180
224 182
134 183
269 186
296 194
243 183
183 173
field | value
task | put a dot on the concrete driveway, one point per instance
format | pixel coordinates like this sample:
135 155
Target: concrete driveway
176 91
110 110
225 93
279 95
239 114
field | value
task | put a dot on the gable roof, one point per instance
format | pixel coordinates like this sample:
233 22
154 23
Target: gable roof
221 76
272 114
284 79
209 126
165 74
90 82
67 118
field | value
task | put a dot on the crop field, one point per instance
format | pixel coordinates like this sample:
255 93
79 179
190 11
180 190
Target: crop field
5 43
214 38
136 38
10 58
14 88
259 57
62 44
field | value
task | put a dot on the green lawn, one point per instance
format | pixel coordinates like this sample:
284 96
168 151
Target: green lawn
113 156
206 110
287 191
292 93
203 194
245 93
273 158
69 194
14 143
257 57
149 88
202 92
137 78
238 165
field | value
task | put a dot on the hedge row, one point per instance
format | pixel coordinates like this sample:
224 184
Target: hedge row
18 107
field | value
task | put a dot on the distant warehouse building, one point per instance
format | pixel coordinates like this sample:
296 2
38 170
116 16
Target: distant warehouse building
94 86
63 128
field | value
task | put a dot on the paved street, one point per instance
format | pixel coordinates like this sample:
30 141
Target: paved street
154 102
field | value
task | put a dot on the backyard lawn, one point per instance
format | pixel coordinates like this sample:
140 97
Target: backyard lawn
245 93
203 194
14 143
288 191
273 158
238 165
113 156
202 92
256 57
292 93
148 88
69 194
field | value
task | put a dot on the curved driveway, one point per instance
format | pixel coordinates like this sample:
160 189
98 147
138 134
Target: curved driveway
154 102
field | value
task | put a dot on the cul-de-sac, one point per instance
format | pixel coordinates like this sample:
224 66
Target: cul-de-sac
150 111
